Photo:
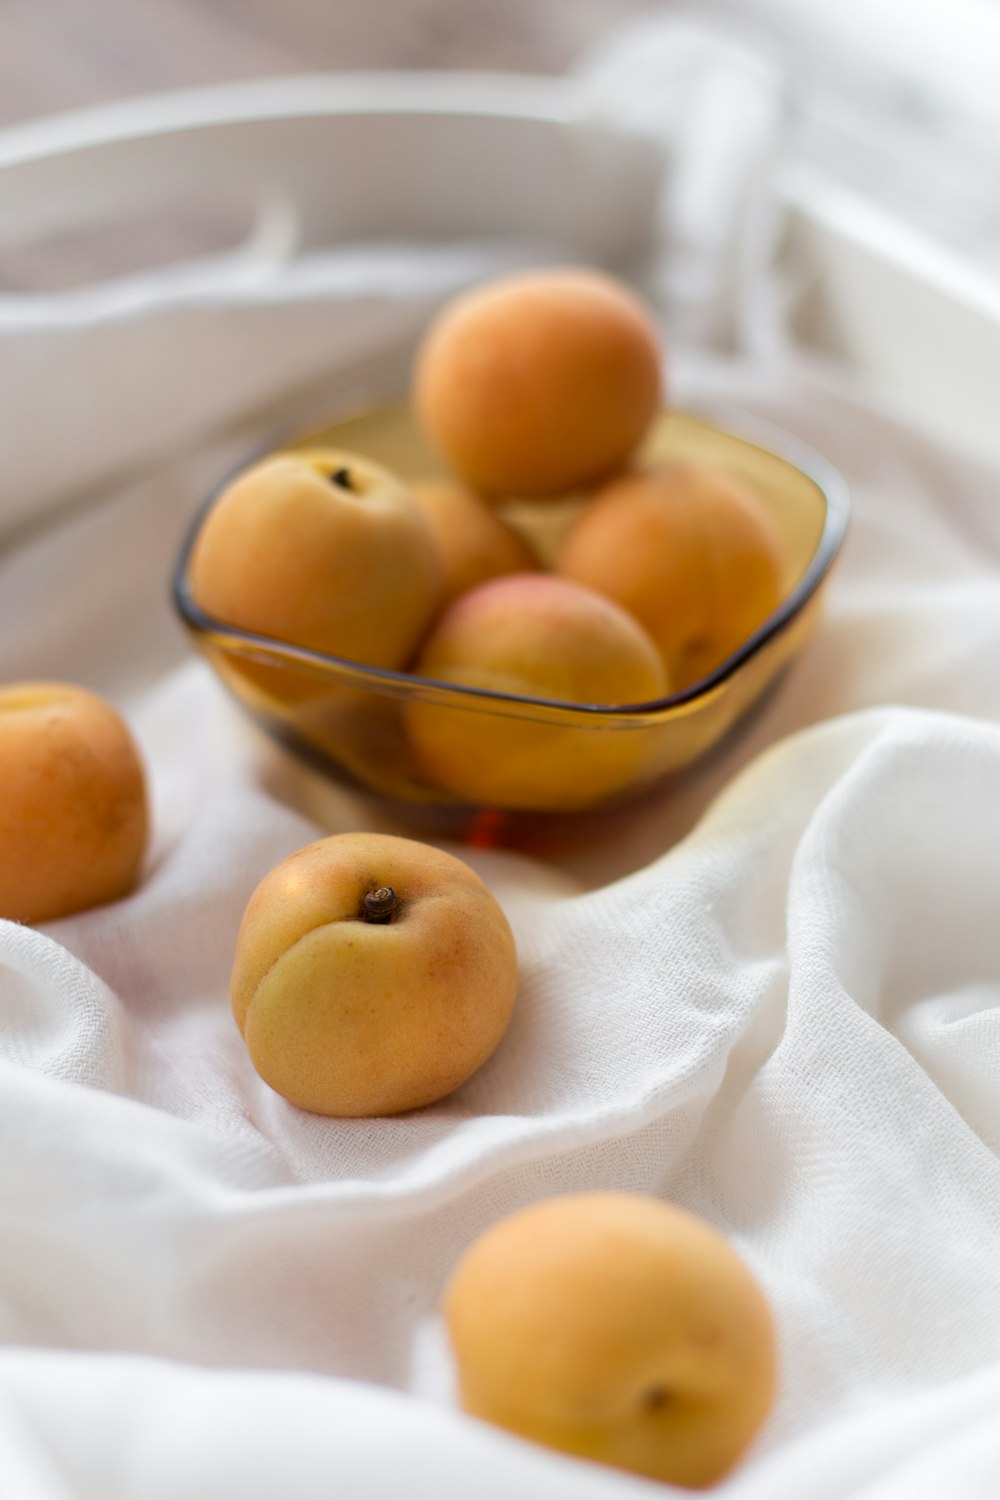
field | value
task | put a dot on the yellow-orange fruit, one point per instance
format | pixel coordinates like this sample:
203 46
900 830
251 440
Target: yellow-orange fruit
617 1328
475 544
539 383
73 814
691 553
353 1008
320 548
535 636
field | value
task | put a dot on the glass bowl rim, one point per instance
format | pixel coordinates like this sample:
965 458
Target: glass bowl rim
752 431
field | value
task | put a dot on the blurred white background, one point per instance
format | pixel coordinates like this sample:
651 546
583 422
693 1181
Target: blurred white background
899 97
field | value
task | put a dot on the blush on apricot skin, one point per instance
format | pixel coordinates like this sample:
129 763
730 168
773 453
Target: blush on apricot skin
533 635
539 383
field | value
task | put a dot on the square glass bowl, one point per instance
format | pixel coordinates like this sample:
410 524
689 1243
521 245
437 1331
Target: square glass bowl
352 718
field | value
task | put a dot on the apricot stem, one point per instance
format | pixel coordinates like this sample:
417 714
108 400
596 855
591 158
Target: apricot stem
343 478
379 905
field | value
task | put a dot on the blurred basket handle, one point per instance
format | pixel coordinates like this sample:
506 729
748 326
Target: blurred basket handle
371 198
340 159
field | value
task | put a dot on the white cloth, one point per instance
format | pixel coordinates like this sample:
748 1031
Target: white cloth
772 994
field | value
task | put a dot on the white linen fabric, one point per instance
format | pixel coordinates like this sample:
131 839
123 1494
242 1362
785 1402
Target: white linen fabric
771 993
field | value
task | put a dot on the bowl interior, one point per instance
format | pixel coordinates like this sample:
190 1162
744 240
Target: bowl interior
804 496
353 717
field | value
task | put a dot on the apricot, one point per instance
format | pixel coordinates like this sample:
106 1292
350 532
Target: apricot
320 548
475 544
538 637
373 974
689 552
538 383
73 813
618 1328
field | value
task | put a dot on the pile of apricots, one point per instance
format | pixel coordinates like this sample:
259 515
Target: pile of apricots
372 974
534 390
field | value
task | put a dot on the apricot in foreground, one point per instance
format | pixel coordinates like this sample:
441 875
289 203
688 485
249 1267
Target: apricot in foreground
618 1328
373 974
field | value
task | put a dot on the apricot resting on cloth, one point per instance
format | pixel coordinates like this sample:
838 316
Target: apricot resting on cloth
73 814
373 974
618 1328
538 383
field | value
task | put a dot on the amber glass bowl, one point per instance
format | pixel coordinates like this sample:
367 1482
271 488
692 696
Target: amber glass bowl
352 718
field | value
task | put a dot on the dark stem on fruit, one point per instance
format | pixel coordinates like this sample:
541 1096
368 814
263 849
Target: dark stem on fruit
655 1398
379 905
343 478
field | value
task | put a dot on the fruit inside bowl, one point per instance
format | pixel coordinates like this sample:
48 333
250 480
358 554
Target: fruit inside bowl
525 588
